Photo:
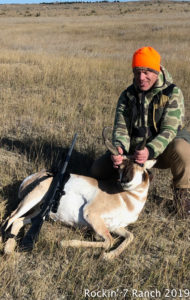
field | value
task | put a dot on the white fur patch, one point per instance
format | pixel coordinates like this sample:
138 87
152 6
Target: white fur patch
137 180
78 192
121 216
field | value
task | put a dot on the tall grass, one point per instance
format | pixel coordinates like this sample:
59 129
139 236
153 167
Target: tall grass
62 69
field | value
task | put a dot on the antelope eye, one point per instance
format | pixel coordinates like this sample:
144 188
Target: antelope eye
127 175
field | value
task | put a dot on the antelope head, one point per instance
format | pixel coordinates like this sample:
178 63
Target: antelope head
131 174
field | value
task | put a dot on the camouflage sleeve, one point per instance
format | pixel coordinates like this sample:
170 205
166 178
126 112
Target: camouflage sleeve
172 121
120 132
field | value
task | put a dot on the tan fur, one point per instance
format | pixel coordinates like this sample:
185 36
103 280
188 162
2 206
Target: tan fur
32 182
17 225
127 201
107 199
146 179
128 239
103 203
100 202
39 189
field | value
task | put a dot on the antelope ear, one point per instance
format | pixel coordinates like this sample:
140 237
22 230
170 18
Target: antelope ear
126 158
149 163
124 163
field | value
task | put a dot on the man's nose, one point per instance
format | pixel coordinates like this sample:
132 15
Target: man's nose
141 76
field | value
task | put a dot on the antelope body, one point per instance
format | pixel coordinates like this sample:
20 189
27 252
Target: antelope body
105 206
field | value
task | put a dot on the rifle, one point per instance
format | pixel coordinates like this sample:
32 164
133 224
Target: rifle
50 202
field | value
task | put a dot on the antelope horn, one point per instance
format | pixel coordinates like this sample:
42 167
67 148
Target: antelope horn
144 140
143 144
108 144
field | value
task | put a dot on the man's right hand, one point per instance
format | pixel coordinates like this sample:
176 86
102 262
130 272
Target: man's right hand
117 159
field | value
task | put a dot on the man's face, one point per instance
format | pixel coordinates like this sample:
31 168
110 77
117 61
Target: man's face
145 79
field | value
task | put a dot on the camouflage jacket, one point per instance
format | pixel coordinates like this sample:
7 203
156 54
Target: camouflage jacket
162 115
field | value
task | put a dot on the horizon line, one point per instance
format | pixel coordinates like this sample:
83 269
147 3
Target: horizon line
11 2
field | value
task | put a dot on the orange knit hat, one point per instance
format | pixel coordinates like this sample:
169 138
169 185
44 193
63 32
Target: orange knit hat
146 57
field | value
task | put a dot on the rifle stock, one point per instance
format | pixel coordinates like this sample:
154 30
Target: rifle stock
31 236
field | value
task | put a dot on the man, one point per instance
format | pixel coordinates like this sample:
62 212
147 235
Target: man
152 105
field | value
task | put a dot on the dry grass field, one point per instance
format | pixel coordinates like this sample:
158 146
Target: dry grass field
62 69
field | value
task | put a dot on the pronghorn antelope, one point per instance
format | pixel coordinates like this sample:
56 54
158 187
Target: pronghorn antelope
103 205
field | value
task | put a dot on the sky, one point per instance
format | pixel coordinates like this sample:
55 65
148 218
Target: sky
40 1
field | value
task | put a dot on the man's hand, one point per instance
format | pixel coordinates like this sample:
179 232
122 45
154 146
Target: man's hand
141 156
117 159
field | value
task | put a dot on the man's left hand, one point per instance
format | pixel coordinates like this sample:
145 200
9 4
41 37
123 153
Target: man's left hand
141 156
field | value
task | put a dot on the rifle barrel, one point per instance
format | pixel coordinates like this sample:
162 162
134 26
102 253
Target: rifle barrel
48 201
